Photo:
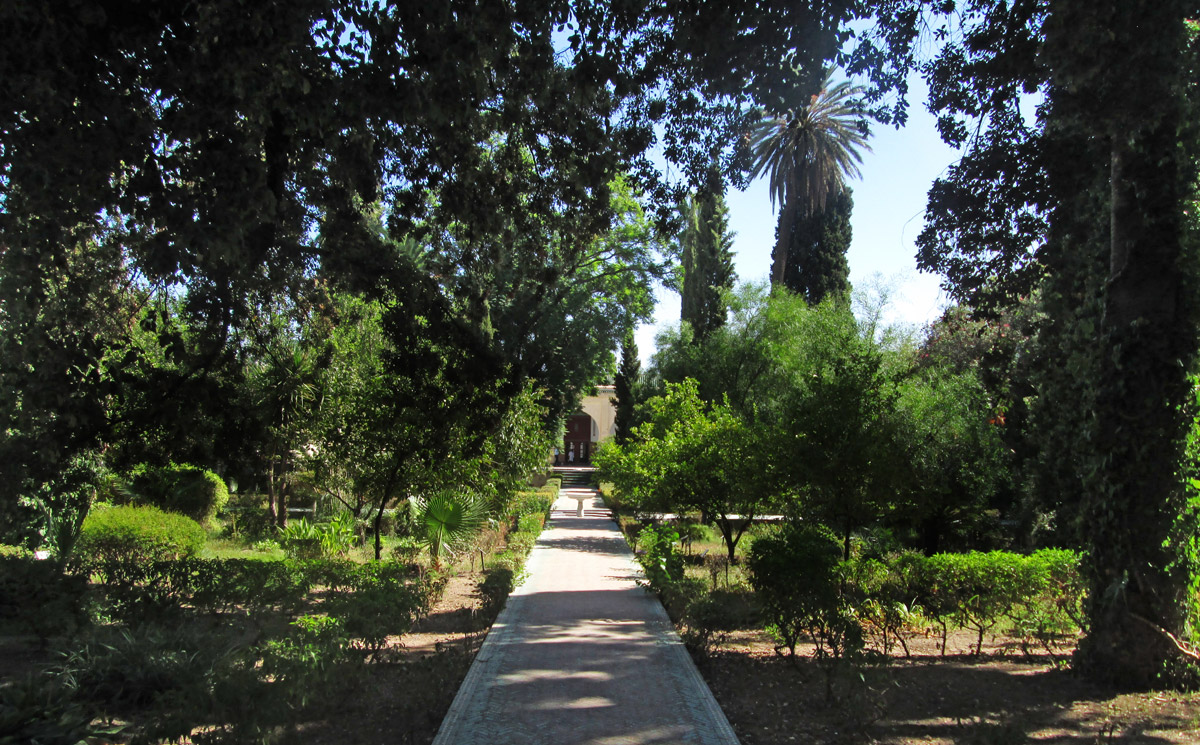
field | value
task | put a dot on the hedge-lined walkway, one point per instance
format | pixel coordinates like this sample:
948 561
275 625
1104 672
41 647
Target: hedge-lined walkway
581 654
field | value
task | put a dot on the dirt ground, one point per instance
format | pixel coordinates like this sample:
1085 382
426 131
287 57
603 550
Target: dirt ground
1003 697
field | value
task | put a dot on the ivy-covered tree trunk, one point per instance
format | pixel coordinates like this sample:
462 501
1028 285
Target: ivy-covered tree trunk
1118 79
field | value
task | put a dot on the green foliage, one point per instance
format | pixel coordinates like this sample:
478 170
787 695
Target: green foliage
692 456
531 524
380 605
449 521
143 590
37 711
497 584
627 385
809 152
797 578
304 540
711 615
125 670
138 534
664 567
38 597
188 490
816 266
954 454
50 515
705 247
407 549
306 661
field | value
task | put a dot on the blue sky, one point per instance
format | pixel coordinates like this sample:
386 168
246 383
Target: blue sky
889 203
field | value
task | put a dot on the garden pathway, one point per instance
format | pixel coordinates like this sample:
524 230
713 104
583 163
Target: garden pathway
582 654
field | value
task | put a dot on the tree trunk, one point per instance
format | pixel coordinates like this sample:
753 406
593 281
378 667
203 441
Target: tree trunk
378 539
1137 565
272 506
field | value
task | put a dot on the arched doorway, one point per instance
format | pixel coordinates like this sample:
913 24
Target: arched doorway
579 440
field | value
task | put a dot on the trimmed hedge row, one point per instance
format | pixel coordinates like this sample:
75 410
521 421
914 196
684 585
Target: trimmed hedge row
529 512
806 590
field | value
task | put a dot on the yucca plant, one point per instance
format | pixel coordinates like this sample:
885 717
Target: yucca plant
449 521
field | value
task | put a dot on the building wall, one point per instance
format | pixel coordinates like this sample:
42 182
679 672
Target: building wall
595 423
602 411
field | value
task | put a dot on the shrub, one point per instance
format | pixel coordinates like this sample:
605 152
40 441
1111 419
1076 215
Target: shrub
138 534
379 606
797 576
531 524
137 590
712 615
123 670
538 502
407 549
304 540
882 595
521 543
188 490
37 710
246 516
659 556
497 584
38 597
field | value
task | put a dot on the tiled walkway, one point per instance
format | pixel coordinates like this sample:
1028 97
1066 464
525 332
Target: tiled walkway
581 654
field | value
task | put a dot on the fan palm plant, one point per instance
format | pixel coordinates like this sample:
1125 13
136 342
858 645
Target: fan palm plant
808 152
449 520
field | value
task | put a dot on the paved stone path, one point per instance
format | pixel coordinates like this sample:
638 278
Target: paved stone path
581 654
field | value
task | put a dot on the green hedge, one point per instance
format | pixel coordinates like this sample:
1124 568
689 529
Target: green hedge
138 534
805 591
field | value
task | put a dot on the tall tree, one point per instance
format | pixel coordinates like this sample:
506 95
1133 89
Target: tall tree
816 265
628 372
1094 197
1134 126
809 151
707 256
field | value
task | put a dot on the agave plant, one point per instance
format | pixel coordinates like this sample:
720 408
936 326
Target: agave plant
449 520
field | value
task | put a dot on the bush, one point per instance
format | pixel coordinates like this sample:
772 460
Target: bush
538 502
37 710
712 615
382 603
124 670
304 540
521 543
797 576
407 549
36 596
188 490
531 524
139 534
137 590
660 556
498 583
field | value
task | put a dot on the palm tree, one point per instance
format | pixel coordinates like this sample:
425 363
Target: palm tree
809 152
449 521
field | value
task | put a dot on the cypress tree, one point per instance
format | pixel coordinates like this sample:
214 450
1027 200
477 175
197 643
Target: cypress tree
816 265
707 255
628 373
